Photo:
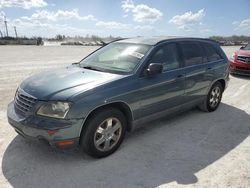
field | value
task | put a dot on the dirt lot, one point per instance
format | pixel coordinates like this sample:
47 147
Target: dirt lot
194 149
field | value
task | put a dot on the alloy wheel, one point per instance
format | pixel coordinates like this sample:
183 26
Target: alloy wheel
215 97
107 134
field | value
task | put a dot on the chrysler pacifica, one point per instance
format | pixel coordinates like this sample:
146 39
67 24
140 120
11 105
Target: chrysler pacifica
125 83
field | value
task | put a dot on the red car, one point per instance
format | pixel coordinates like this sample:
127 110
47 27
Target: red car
240 61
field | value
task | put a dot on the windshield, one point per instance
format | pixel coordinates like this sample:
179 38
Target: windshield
247 47
116 58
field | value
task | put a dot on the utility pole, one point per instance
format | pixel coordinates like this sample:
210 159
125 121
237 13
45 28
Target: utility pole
6 27
15 31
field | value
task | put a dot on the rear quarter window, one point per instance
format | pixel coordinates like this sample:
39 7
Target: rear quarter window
210 52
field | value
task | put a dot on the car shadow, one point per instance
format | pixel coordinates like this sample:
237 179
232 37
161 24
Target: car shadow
158 153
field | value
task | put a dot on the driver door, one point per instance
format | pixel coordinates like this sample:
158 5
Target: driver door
163 91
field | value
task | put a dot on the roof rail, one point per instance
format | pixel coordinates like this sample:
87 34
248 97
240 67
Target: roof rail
106 43
187 38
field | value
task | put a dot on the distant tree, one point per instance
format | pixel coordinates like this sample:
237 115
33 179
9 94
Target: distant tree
39 41
95 38
60 37
233 38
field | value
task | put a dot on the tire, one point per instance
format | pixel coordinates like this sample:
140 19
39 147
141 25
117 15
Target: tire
103 133
213 98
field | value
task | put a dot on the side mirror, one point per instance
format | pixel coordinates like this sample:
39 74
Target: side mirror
154 68
242 47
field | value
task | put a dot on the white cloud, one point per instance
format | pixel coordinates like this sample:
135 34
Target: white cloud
188 19
112 25
242 25
26 4
50 23
46 16
141 13
48 29
185 27
2 14
128 5
235 22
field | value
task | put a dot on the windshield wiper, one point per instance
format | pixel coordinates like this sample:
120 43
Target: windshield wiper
92 68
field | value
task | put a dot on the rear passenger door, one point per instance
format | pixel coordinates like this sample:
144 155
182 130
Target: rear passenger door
198 76
213 60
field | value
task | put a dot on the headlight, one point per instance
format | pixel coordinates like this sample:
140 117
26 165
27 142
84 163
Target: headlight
54 109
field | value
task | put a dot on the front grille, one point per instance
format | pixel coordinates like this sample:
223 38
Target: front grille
243 59
23 101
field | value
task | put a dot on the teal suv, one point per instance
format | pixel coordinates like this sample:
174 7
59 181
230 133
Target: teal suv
93 103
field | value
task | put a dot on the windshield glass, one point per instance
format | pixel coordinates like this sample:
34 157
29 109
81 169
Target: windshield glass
247 47
116 58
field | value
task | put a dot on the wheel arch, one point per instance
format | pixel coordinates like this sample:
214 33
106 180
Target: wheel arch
120 105
222 82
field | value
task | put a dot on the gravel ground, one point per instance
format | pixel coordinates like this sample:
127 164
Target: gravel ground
193 149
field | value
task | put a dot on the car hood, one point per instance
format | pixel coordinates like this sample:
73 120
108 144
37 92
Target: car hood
243 53
45 85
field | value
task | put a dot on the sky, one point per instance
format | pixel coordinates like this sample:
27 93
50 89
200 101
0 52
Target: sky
126 18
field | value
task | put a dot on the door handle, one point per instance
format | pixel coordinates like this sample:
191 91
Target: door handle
209 68
180 76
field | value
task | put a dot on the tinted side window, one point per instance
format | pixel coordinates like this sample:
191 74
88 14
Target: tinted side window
168 56
192 53
211 53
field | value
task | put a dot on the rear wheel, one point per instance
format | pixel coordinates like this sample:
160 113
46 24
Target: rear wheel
104 133
213 99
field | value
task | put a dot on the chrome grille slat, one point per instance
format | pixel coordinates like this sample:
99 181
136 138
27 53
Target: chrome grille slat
20 108
23 101
18 102
28 99
244 59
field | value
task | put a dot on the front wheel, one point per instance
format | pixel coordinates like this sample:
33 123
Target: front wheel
213 99
104 133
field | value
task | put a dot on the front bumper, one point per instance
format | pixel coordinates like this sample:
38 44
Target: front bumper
239 68
52 131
